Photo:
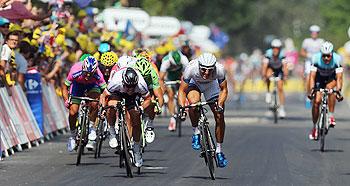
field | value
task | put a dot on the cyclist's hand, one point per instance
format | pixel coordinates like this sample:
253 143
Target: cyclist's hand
311 94
182 114
339 96
67 104
219 109
141 109
157 110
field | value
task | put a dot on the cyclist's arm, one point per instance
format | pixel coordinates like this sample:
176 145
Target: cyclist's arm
312 78
103 96
161 80
223 93
303 52
159 94
182 93
264 67
339 77
65 91
146 100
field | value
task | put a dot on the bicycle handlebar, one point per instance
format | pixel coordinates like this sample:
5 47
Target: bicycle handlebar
84 99
200 104
172 82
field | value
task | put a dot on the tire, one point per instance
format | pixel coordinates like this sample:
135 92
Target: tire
208 152
178 124
99 139
126 155
323 131
82 139
275 108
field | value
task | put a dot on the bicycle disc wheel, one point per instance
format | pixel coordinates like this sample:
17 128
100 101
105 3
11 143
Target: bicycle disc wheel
323 131
81 139
208 152
126 153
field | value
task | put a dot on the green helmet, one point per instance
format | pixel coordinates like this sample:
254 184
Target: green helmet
176 57
84 56
143 66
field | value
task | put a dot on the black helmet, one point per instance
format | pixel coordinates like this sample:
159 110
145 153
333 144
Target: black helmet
130 77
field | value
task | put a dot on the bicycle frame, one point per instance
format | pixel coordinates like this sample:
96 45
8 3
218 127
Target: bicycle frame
274 107
322 124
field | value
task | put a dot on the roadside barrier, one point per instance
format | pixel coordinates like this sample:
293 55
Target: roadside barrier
19 126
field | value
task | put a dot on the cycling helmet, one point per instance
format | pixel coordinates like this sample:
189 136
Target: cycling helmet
104 47
143 66
90 64
84 56
145 54
125 61
327 47
314 28
108 59
130 77
176 57
136 52
207 60
276 43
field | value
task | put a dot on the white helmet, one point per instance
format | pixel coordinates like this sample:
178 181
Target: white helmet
314 28
207 60
126 61
276 43
326 47
347 47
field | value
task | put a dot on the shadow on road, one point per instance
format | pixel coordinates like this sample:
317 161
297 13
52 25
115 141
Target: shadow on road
86 164
204 177
328 150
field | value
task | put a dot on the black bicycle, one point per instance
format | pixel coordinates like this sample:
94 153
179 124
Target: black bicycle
174 85
83 124
102 132
206 138
125 151
323 122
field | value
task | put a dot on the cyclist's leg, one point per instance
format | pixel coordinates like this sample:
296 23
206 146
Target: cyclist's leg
316 107
171 103
331 97
73 115
93 105
193 96
111 120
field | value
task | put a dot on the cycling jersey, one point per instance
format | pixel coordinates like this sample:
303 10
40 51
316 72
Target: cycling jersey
326 73
174 72
311 46
275 64
209 87
152 79
79 85
115 85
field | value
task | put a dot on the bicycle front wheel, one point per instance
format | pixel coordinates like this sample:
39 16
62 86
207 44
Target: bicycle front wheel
126 153
208 150
323 131
82 138
275 108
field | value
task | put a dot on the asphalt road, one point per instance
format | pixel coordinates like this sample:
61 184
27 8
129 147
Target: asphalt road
259 153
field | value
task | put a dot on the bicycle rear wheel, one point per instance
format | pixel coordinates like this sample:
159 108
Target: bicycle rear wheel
82 138
178 124
208 152
126 153
323 131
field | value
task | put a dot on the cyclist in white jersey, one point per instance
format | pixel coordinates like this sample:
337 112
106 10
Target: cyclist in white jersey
205 75
310 47
128 84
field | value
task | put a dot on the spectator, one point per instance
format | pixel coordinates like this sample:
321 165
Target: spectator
25 53
8 55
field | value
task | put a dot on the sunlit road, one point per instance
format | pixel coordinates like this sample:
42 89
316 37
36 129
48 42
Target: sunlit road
259 153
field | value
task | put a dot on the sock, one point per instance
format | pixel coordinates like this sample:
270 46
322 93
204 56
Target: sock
331 113
150 123
73 133
196 130
136 146
92 124
218 147
282 107
112 130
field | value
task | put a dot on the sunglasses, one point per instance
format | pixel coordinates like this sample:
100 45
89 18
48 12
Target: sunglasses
326 56
203 70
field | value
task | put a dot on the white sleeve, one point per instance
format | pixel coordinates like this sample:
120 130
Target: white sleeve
184 61
265 60
5 53
165 65
304 44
